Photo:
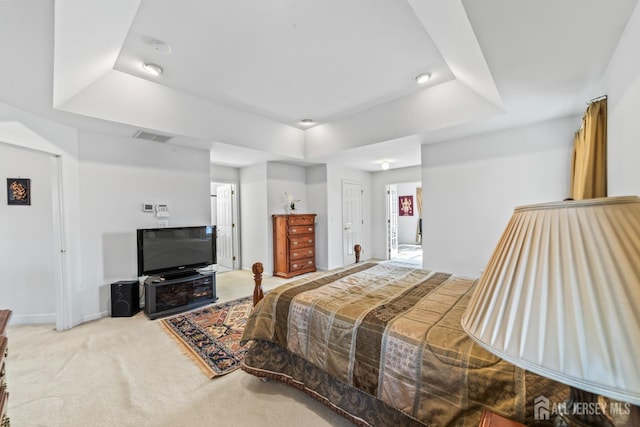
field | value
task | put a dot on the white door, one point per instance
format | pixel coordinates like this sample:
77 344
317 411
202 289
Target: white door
351 220
32 235
225 226
392 221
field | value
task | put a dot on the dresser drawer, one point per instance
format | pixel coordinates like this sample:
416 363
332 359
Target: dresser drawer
296 242
302 264
299 253
300 220
301 229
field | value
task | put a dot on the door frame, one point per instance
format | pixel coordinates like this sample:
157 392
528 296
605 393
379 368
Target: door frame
348 254
391 218
61 280
235 216
387 185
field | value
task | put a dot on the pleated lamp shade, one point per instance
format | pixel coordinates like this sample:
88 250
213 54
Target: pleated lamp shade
560 296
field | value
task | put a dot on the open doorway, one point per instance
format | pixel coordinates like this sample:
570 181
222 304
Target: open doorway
404 222
224 215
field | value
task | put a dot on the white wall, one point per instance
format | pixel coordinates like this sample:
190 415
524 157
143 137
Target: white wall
471 185
254 218
317 203
379 181
224 174
283 178
622 84
213 202
117 176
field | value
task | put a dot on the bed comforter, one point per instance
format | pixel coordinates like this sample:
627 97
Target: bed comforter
384 345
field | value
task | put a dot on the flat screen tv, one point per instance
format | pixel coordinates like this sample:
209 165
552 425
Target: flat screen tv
174 249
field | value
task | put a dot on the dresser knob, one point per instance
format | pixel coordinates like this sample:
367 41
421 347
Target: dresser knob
295 254
295 265
295 243
310 228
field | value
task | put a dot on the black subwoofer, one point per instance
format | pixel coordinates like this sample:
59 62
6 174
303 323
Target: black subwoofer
125 298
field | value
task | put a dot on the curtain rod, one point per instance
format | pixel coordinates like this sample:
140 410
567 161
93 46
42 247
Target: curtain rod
599 98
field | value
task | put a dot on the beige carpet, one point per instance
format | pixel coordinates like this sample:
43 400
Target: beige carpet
129 372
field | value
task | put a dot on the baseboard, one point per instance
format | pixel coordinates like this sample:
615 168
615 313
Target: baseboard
32 319
95 316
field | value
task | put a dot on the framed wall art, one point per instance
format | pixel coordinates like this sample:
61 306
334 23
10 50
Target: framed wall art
18 191
405 207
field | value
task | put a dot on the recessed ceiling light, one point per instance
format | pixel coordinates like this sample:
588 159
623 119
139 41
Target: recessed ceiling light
153 69
384 165
161 47
306 122
423 78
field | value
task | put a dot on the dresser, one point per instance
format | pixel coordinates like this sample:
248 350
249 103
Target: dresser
4 394
294 244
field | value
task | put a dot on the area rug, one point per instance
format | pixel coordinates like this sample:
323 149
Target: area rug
211 335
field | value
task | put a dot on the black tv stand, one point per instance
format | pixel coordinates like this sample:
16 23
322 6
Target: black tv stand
163 296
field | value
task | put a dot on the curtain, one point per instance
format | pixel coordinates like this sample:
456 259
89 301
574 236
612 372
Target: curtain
589 163
419 203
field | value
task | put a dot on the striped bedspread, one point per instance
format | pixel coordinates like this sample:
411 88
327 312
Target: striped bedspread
393 332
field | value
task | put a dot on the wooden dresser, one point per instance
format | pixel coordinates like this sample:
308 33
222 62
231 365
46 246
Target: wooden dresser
4 395
294 244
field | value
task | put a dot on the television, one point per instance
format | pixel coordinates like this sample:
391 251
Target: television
174 250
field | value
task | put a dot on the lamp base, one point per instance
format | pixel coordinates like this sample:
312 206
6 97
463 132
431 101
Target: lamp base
583 409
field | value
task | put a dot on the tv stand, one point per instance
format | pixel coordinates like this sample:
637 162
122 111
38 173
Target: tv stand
163 296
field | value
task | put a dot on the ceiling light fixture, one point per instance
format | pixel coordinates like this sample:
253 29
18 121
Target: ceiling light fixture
423 78
306 122
161 47
153 69
384 165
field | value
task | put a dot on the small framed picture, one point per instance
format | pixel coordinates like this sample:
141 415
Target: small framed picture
18 191
405 206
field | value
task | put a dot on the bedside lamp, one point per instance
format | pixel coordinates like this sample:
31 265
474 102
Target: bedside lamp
560 297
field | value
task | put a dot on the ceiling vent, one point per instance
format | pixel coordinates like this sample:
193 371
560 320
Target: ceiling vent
141 134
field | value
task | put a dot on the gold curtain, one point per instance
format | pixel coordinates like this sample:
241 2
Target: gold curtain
589 163
419 203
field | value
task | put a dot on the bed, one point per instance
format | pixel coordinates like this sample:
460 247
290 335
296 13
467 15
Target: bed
381 344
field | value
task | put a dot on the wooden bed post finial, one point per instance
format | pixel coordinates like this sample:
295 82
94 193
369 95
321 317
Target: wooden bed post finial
357 249
258 294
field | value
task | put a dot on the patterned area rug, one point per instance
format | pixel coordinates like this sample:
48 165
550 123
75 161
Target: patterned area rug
211 335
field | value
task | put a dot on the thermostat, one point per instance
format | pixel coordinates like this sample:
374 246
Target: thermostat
147 207
162 211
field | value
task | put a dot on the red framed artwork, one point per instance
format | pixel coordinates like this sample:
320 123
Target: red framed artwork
405 206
